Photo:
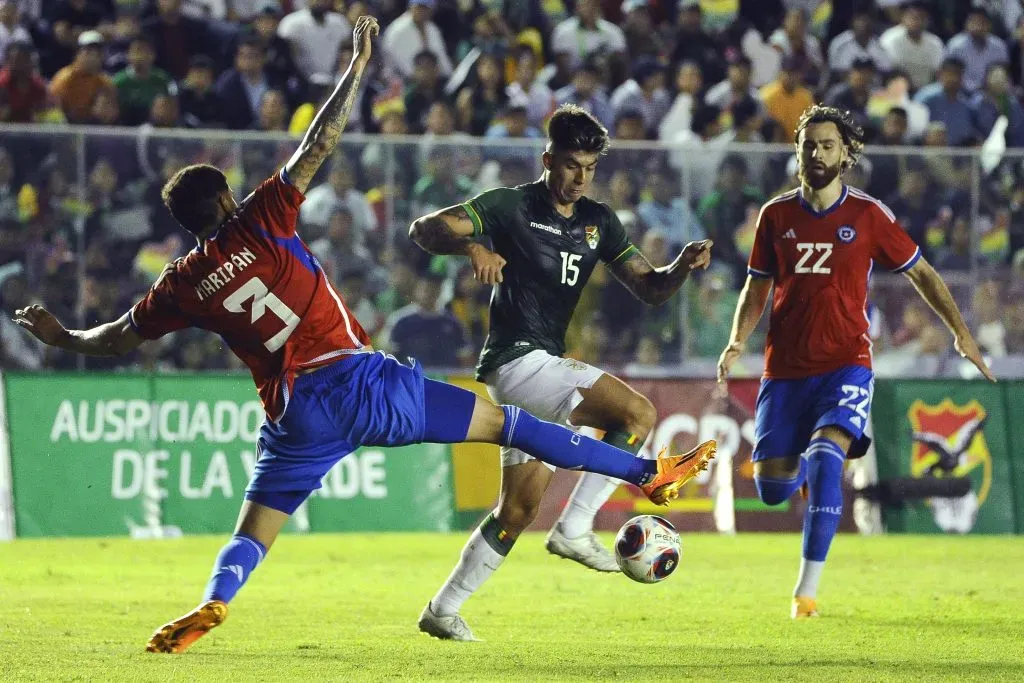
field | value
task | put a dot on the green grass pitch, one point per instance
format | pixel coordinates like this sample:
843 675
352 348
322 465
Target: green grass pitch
344 607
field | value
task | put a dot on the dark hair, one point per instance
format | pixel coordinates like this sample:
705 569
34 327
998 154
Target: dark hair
253 41
573 129
422 56
851 134
143 39
191 196
200 62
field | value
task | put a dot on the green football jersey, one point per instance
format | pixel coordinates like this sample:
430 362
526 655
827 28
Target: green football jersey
549 259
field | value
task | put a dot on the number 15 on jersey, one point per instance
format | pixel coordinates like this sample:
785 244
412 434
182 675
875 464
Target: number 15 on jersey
570 271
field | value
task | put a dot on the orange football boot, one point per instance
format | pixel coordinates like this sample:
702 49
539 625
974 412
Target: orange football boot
804 608
176 636
675 470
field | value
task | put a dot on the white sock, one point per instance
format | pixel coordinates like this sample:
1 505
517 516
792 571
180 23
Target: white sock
807 583
479 560
592 491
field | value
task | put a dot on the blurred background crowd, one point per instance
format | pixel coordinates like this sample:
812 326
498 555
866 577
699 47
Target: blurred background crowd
701 98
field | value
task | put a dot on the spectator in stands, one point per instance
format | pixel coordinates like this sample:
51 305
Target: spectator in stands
988 323
240 89
469 305
916 205
513 123
200 106
787 98
105 110
587 34
273 112
75 86
735 87
622 200
957 256
645 93
279 62
441 186
429 333
855 94
587 92
23 95
998 99
726 212
710 315
11 30
911 48
140 82
424 89
1013 317
352 288
697 153
315 33
8 191
793 40
68 20
178 38
951 172
948 103
858 42
478 102
667 212
339 188
540 100
412 33
689 85
977 49
643 37
694 44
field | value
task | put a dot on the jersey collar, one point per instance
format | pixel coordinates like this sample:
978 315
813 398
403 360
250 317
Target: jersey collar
821 214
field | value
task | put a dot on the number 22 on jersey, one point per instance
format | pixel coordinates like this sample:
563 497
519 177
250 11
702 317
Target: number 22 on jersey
813 257
570 271
263 299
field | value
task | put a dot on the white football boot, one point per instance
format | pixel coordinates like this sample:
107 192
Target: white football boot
445 628
585 549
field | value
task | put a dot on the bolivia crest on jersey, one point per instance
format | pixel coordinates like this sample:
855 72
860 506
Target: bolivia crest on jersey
593 236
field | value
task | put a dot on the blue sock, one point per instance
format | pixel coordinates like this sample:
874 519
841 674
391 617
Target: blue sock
565 448
776 491
235 563
825 461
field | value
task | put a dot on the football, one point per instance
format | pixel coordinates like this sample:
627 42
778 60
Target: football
647 549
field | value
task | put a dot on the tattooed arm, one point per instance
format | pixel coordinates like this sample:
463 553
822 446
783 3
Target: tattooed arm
655 286
330 121
450 232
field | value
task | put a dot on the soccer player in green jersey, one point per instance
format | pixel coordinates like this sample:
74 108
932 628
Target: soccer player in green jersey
547 237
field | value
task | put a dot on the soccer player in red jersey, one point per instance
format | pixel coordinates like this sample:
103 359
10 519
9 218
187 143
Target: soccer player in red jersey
817 245
252 280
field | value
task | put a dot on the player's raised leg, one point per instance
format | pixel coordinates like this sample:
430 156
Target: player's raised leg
627 417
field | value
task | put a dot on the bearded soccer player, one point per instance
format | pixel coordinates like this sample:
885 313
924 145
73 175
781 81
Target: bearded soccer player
547 238
252 280
817 245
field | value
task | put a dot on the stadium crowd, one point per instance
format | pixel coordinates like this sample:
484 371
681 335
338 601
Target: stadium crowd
683 87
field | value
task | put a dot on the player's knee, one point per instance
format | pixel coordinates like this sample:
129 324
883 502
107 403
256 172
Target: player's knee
516 516
775 491
640 415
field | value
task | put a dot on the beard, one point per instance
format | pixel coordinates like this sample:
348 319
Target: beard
819 177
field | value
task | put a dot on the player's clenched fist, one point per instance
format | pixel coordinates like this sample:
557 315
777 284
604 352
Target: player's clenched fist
697 254
365 30
968 348
41 323
728 357
486 265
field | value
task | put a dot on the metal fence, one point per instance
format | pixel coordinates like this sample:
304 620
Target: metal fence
83 230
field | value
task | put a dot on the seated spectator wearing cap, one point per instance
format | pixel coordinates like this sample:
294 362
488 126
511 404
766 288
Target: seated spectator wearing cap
689 87
643 37
587 34
692 43
786 98
140 82
200 106
858 42
948 103
736 86
412 33
645 93
178 38
793 40
977 49
75 86
854 94
314 34
540 100
587 92
911 48
23 95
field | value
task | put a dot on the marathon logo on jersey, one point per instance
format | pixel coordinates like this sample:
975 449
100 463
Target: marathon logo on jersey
593 236
545 228
846 234
225 273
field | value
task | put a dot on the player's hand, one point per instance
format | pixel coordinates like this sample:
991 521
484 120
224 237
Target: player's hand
696 255
365 31
968 348
41 323
486 265
728 357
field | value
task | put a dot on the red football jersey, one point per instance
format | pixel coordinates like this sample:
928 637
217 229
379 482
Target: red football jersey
256 284
821 263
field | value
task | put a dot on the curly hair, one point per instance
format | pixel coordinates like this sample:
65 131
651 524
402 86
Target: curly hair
573 129
851 134
191 196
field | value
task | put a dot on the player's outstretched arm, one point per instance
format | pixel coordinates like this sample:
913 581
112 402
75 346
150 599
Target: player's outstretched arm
933 289
450 232
748 312
110 339
330 121
655 286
